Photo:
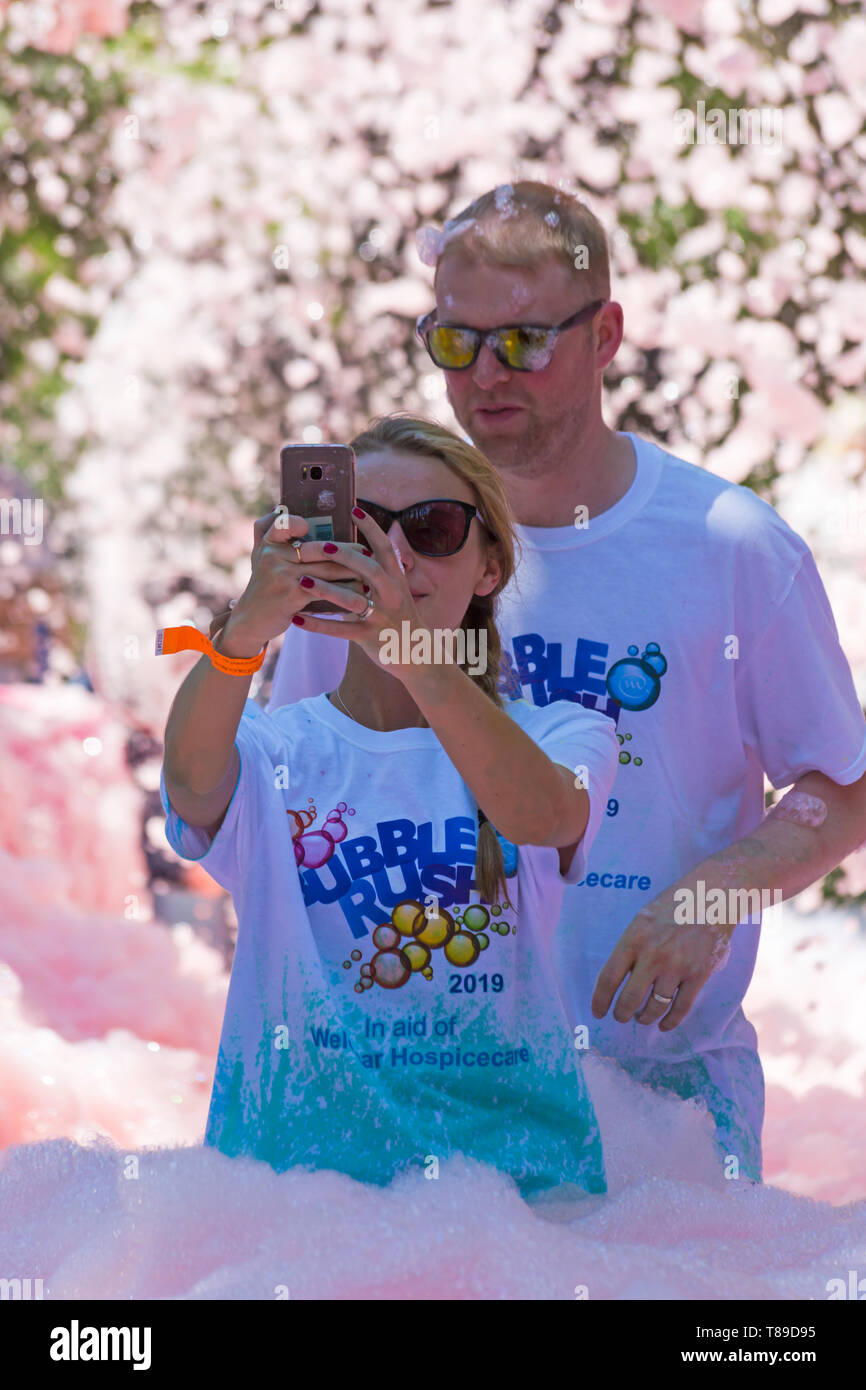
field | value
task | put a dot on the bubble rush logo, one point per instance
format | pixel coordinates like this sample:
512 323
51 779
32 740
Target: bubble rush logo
633 683
407 931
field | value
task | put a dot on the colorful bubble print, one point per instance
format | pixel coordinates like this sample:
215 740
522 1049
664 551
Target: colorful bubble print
313 848
635 681
405 944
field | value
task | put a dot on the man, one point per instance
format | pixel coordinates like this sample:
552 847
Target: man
681 606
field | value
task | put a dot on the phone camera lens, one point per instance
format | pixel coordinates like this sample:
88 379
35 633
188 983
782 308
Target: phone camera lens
315 472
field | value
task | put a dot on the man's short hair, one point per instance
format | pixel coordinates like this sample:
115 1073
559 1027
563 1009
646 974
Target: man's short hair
524 224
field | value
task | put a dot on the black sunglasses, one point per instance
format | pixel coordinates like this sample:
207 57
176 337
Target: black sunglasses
438 526
524 347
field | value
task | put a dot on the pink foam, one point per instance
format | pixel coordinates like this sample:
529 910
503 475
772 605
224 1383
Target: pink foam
108 1036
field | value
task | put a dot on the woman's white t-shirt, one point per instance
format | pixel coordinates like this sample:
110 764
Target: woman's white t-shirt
379 1014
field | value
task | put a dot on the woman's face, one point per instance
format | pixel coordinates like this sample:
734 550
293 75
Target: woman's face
442 587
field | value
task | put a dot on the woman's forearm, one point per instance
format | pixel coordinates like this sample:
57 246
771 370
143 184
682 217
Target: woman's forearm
204 717
521 791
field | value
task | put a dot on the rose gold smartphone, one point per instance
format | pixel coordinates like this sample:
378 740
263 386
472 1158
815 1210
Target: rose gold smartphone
317 482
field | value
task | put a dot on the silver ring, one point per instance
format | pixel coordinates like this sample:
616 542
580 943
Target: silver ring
368 610
296 546
661 998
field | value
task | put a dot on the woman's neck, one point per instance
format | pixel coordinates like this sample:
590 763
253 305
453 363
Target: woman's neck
374 698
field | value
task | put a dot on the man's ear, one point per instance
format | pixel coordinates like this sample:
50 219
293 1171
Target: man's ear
608 334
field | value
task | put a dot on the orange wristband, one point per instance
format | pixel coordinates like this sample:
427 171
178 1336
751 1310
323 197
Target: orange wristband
189 639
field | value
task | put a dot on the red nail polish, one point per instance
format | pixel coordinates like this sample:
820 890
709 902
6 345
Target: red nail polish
329 547
307 582
366 588
298 619
356 511
366 552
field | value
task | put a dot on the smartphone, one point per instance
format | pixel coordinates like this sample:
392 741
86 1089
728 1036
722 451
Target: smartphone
317 482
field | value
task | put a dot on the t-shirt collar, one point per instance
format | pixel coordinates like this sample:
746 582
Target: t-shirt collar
648 461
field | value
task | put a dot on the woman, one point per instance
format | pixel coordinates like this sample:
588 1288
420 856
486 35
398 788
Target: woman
392 1000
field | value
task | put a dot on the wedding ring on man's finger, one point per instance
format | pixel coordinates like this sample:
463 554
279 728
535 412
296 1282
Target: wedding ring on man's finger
661 998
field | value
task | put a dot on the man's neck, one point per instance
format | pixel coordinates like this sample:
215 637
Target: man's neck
596 477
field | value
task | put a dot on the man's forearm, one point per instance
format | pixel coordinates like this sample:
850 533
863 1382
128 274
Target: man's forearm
786 853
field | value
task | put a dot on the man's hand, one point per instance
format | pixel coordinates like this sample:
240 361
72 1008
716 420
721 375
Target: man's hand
659 955
805 835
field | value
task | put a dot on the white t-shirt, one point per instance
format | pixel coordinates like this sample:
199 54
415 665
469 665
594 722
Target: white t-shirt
695 617
367 1025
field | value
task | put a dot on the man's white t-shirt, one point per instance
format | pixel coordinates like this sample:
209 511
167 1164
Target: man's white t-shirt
694 617
379 1012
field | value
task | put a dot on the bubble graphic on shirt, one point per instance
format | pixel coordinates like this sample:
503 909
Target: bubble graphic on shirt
625 756
303 819
316 848
476 917
635 681
459 936
462 949
390 969
405 914
313 848
338 827
653 657
417 955
434 931
385 938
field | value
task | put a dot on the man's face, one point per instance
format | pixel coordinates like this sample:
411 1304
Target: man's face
553 405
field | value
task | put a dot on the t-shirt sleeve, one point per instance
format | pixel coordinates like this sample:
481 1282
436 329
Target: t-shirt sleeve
308 664
796 700
585 742
263 749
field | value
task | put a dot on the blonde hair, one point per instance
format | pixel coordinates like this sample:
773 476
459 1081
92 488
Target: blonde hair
411 434
524 224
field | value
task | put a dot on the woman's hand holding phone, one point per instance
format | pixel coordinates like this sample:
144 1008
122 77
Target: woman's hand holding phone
274 594
393 604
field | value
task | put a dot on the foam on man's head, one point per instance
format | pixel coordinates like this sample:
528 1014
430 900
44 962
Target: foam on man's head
524 225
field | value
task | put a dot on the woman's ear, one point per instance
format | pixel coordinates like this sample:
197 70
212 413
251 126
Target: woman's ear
491 574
